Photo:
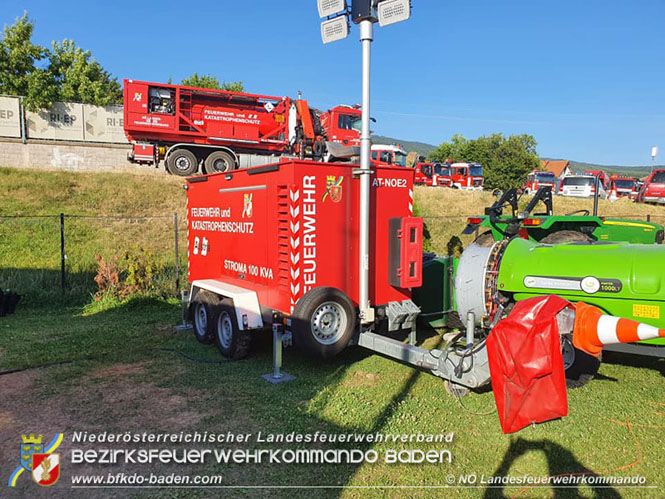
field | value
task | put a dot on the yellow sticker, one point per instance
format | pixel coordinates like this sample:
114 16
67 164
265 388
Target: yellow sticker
646 311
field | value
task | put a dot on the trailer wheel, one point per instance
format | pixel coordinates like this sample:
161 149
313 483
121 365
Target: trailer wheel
204 310
182 162
580 367
219 161
231 341
565 236
323 322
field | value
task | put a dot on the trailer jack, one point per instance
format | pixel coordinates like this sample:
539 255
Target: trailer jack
467 367
278 338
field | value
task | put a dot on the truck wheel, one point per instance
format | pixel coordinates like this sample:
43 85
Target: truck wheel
565 236
219 161
182 162
203 314
580 367
231 341
323 322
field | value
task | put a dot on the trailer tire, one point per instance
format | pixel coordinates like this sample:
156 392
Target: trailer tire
182 162
203 314
231 341
219 161
323 322
565 236
582 366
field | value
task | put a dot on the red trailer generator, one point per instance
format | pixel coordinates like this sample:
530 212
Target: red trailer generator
278 245
220 130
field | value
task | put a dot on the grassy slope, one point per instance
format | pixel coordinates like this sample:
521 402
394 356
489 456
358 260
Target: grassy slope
355 392
30 247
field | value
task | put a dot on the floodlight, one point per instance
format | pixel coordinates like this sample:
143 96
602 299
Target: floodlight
654 151
330 7
334 29
393 11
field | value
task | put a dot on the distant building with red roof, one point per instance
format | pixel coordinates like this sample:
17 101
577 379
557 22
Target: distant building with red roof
560 168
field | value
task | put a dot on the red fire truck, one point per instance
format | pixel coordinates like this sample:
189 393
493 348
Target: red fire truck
467 176
432 174
220 130
388 155
274 245
537 179
623 186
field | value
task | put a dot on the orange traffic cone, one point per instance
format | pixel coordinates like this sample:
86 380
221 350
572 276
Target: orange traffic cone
593 329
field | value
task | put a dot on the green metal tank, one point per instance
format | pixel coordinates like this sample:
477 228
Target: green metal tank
622 279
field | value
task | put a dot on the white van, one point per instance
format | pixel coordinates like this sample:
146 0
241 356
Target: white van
581 186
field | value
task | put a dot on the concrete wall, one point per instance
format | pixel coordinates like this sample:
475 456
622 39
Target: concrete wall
68 156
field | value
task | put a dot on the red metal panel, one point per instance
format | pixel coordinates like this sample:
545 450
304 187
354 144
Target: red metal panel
411 253
293 227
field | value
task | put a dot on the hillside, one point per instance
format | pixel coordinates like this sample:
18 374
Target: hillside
630 171
420 147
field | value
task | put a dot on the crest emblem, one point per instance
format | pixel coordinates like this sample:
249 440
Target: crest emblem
30 445
248 207
45 468
38 460
333 189
137 97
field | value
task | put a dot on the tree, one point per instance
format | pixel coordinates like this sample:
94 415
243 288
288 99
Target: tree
208 81
80 78
506 161
20 72
67 73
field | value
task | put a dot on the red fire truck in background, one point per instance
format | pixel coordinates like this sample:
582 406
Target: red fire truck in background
467 176
221 130
623 186
432 174
388 155
537 179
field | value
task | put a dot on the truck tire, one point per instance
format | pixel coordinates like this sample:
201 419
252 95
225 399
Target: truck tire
231 341
323 322
219 161
182 162
580 367
204 311
565 236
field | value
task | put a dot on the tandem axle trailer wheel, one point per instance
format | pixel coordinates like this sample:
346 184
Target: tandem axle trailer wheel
323 322
203 314
231 341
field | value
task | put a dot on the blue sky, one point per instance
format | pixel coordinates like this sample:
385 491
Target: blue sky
586 78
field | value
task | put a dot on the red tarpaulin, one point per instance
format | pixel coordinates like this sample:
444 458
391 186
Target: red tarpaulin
526 364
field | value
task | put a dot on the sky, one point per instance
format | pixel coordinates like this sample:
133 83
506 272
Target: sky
585 78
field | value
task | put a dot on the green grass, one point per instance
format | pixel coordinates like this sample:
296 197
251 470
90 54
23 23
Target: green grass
356 392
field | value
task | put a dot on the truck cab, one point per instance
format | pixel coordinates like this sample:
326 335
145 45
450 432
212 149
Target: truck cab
423 174
388 155
623 186
467 176
342 125
537 179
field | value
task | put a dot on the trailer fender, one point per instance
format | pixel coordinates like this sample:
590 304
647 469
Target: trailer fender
245 301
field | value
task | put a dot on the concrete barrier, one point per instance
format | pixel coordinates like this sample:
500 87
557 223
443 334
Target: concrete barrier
56 155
